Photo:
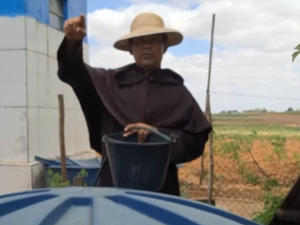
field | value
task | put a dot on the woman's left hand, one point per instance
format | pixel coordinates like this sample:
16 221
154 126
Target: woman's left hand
142 134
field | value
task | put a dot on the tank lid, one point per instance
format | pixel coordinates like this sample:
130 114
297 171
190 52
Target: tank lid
96 206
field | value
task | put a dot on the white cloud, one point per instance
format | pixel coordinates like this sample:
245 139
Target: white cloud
258 37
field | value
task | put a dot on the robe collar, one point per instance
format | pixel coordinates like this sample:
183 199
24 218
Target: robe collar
133 74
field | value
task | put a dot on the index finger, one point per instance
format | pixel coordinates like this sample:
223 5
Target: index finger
82 19
129 127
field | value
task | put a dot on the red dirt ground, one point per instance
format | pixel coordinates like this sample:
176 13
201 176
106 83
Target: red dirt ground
232 191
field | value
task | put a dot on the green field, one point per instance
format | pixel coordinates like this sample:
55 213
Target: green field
261 123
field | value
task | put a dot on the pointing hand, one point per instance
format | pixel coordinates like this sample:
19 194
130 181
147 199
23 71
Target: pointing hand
75 29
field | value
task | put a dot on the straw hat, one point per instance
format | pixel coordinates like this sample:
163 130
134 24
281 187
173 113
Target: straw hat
148 24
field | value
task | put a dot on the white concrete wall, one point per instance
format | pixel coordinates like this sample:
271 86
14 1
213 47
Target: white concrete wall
29 112
43 88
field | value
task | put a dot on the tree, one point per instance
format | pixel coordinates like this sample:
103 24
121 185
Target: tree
296 53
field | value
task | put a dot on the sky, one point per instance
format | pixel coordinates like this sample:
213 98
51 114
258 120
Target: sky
253 43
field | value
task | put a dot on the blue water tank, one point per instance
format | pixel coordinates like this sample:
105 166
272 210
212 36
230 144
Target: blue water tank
97 206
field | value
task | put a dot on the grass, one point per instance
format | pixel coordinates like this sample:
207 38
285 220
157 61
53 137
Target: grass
261 129
184 187
55 179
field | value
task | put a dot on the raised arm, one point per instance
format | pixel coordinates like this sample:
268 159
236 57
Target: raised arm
71 67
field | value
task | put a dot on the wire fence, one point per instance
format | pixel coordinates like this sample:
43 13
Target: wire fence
255 164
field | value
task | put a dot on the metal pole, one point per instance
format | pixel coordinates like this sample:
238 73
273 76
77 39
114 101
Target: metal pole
211 162
210 53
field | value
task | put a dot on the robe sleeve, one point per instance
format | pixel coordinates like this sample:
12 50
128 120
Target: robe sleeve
189 146
72 70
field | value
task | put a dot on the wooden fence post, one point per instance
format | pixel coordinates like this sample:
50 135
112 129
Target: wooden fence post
62 138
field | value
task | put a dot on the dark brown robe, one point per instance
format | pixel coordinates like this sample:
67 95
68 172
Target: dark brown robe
113 98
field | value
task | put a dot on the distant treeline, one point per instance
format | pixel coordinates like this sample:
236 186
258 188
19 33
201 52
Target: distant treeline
263 110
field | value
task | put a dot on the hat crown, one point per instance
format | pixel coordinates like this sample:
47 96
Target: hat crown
145 24
146 20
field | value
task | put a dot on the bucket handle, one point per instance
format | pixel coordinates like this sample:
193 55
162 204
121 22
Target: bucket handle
153 131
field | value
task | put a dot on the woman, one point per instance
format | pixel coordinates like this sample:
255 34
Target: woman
141 93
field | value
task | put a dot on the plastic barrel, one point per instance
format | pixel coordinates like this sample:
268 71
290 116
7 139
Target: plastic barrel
95 206
140 166
74 166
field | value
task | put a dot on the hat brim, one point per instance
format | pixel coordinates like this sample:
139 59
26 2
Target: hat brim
174 37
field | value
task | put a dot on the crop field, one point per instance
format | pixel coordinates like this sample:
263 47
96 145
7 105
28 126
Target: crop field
256 156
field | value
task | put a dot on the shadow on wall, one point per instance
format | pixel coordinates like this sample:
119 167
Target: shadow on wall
38 178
